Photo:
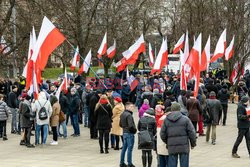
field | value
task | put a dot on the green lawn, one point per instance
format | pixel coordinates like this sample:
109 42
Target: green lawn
53 73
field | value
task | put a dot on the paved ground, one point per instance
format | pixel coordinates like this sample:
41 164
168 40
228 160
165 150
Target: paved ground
82 151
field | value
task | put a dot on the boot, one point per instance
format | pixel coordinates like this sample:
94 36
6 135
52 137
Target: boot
150 159
106 150
144 161
22 143
5 138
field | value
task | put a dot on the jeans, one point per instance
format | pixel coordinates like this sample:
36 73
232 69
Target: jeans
128 144
63 124
184 160
14 120
3 128
104 134
86 115
112 139
163 160
75 124
45 133
241 133
213 132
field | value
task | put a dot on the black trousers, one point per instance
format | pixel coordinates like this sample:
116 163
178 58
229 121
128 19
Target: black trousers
195 125
224 110
104 134
55 135
93 131
147 157
241 133
27 132
3 128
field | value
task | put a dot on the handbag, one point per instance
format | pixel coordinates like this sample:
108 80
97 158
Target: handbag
144 139
61 117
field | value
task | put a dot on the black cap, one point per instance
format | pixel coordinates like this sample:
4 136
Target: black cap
244 99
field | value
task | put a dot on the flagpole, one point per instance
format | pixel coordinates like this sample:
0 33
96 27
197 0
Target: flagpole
86 62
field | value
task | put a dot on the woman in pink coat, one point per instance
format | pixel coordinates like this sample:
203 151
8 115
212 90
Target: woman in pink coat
144 107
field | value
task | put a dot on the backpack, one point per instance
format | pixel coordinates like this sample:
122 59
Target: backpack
42 114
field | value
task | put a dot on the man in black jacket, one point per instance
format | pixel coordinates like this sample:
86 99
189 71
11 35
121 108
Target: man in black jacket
12 103
177 131
243 126
128 125
223 96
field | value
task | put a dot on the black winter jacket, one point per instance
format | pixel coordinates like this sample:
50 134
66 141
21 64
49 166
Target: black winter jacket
223 96
25 115
104 117
147 122
127 122
177 131
12 100
242 118
75 104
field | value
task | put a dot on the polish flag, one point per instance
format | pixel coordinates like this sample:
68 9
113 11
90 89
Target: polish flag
30 64
48 40
161 59
76 60
220 47
183 84
111 50
24 74
3 46
179 45
205 56
229 51
63 86
151 55
194 61
131 55
233 77
121 65
103 48
34 88
86 64
132 81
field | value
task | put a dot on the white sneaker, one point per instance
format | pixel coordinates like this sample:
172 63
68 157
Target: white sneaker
54 143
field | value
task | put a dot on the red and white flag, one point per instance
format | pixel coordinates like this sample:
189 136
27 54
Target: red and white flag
194 61
151 55
205 56
131 55
234 76
132 81
183 84
3 46
103 48
76 60
30 64
48 40
229 51
86 64
120 65
161 59
179 45
64 85
220 47
111 51
24 74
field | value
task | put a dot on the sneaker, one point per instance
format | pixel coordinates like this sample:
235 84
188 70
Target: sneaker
123 165
22 143
13 132
213 142
30 146
5 138
131 165
235 155
54 143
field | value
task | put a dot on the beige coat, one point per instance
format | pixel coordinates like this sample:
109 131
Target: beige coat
117 111
54 119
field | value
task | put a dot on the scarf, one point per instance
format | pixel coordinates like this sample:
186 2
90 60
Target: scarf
103 101
212 97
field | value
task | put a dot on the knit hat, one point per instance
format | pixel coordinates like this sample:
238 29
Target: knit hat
156 91
212 93
73 90
146 101
24 95
175 106
118 99
150 111
244 99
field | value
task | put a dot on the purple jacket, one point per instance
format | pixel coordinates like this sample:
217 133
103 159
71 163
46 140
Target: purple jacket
143 109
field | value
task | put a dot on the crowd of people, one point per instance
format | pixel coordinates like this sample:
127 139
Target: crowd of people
170 119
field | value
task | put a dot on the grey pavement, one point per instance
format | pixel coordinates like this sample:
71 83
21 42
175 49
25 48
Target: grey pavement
81 151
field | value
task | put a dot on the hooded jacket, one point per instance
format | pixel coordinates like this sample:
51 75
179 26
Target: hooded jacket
42 101
223 96
177 132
